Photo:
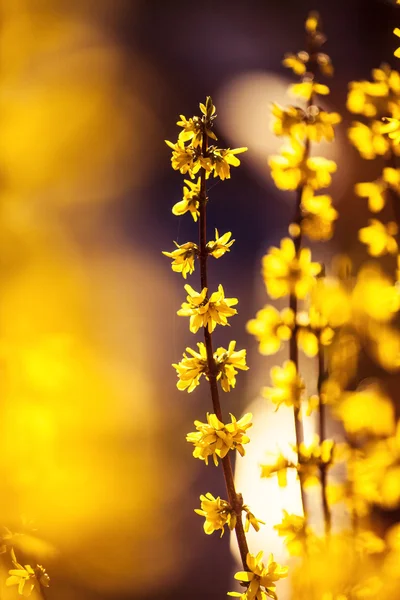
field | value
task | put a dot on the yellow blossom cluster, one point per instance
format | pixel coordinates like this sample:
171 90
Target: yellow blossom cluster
259 579
288 386
26 577
191 152
216 439
207 311
226 362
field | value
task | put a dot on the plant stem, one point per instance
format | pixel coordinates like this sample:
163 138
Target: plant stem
235 499
394 197
322 436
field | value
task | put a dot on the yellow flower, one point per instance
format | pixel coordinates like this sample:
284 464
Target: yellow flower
251 520
192 130
296 62
289 121
293 529
26 577
190 369
374 191
191 200
313 124
318 215
222 159
288 386
366 411
271 328
185 159
216 439
313 329
285 273
320 125
306 89
379 237
279 467
260 578
311 456
374 297
207 312
183 258
396 31
392 128
368 139
292 168
227 362
217 513
221 244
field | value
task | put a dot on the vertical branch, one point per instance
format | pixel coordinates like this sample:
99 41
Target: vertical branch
322 436
235 499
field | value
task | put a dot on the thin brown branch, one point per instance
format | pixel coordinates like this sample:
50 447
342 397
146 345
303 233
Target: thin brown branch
235 499
322 437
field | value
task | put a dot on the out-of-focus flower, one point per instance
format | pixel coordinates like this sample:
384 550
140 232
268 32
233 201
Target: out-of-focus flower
261 578
220 245
396 31
279 466
371 98
288 386
183 258
293 168
293 528
306 89
311 456
379 237
271 328
374 297
285 273
368 139
318 215
366 411
205 312
26 577
315 125
313 329
216 439
217 513
190 202
392 128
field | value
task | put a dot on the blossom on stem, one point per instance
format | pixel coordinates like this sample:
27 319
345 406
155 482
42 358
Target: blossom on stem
295 531
216 439
183 258
190 369
222 159
26 577
379 237
318 215
251 520
191 200
260 578
227 362
217 513
279 467
220 245
207 312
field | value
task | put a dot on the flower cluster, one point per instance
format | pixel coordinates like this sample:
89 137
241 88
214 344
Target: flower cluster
216 439
259 579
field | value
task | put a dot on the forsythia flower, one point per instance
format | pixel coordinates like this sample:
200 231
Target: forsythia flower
284 273
313 329
374 296
271 328
292 168
293 528
221 244
185 158
183 258
261 578
372 97
217 513
288 386
392 128
379 237
306 89
296 62
216 439
311 457
251 520
26 577
375 190
227 362
313 124
318 215
396 31
222 159
190 369
368 139
190 202
366 411
279 467
205 312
